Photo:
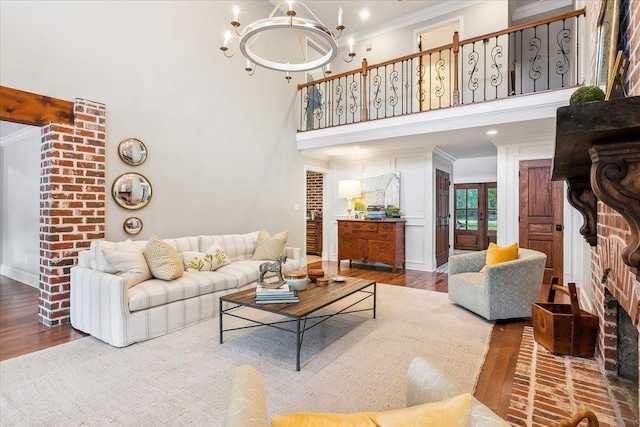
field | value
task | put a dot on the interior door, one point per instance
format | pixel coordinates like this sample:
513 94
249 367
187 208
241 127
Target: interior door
541 214
442 217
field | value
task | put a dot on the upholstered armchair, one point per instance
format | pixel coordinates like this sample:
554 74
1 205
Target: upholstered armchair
503 291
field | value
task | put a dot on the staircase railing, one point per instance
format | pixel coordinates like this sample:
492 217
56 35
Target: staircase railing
529 58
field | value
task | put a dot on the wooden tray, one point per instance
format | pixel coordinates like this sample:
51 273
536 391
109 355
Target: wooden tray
564 328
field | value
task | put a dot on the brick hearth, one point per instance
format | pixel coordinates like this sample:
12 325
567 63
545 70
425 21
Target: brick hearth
548 388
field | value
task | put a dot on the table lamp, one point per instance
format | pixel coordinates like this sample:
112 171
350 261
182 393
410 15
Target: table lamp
349 189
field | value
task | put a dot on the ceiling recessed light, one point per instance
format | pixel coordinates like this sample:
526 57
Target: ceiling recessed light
356 147
364 14
492 132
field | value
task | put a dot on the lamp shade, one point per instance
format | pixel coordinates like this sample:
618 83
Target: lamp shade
349 188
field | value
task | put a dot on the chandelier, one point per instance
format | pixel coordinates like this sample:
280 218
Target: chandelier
324 37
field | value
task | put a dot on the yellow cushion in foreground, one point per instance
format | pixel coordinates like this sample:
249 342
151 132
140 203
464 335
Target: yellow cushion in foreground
452 412
497 254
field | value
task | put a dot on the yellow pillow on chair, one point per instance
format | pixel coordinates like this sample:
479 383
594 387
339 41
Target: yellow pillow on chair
497 254
452 412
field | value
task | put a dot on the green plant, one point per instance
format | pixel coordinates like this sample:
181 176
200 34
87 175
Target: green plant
586 94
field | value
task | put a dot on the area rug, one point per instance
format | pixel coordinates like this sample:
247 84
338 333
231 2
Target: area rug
349 363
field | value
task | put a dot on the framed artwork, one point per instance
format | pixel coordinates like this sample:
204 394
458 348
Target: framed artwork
607 41
615 86
359 215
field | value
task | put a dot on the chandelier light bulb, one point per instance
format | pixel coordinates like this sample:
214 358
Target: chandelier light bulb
236 17
339 17
351 42
227 38
290 4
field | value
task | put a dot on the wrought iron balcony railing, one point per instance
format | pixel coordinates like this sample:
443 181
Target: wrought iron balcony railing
529 58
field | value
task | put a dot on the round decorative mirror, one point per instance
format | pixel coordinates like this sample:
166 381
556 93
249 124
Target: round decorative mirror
132 151
132 225
131 190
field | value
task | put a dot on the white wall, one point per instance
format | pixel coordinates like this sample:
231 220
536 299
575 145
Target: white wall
20 205
476 169
222 152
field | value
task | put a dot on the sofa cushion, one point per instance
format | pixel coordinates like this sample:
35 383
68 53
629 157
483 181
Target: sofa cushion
164 261
238 247
129 264
154 292
269 248
452 412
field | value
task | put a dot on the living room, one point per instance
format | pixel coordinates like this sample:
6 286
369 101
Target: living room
160 75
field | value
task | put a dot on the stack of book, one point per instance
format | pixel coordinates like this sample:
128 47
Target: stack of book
280 295
376 212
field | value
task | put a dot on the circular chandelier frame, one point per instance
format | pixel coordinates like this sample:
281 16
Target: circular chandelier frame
301 24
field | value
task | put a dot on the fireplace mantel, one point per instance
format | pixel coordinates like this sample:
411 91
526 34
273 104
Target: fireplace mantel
597 151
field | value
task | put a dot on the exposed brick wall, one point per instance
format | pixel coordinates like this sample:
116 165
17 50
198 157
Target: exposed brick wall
72 202
621 284
314 191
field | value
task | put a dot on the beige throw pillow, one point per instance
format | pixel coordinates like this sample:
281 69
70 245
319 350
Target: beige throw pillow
164 262
267 247
131 265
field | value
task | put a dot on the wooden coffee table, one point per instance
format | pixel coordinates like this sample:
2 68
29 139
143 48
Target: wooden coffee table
311 300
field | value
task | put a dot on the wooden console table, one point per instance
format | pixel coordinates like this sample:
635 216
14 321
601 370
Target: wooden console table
372 241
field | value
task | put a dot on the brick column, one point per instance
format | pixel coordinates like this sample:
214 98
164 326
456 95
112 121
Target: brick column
72 200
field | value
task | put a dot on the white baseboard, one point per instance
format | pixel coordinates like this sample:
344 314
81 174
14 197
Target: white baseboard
19 275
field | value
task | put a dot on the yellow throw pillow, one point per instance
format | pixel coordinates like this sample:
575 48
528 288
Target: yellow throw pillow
452 412
497 254
267 247
164 262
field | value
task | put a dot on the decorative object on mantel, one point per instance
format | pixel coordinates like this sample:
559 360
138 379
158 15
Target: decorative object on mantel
615 85
131 190
597 152
586 94
274 267
132 225
349 189
132 151
310 27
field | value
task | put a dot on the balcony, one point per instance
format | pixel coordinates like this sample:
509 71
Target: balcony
531 68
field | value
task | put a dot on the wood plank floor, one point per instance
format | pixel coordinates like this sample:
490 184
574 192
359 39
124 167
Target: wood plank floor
21 332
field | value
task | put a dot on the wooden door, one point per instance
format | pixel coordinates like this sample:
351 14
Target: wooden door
442 217
470 213
541 214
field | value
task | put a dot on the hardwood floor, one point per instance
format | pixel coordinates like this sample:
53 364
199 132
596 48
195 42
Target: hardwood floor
21 332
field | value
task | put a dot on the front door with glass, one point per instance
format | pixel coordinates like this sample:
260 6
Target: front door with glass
476 216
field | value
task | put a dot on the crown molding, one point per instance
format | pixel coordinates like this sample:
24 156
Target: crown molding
20 135
539 7
416 18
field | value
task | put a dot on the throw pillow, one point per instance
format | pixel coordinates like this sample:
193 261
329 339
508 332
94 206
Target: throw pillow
210 260
218 256
164 262
452 412
99 262
267 247
497 254
131 265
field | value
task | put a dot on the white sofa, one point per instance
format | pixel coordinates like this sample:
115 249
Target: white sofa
104 306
